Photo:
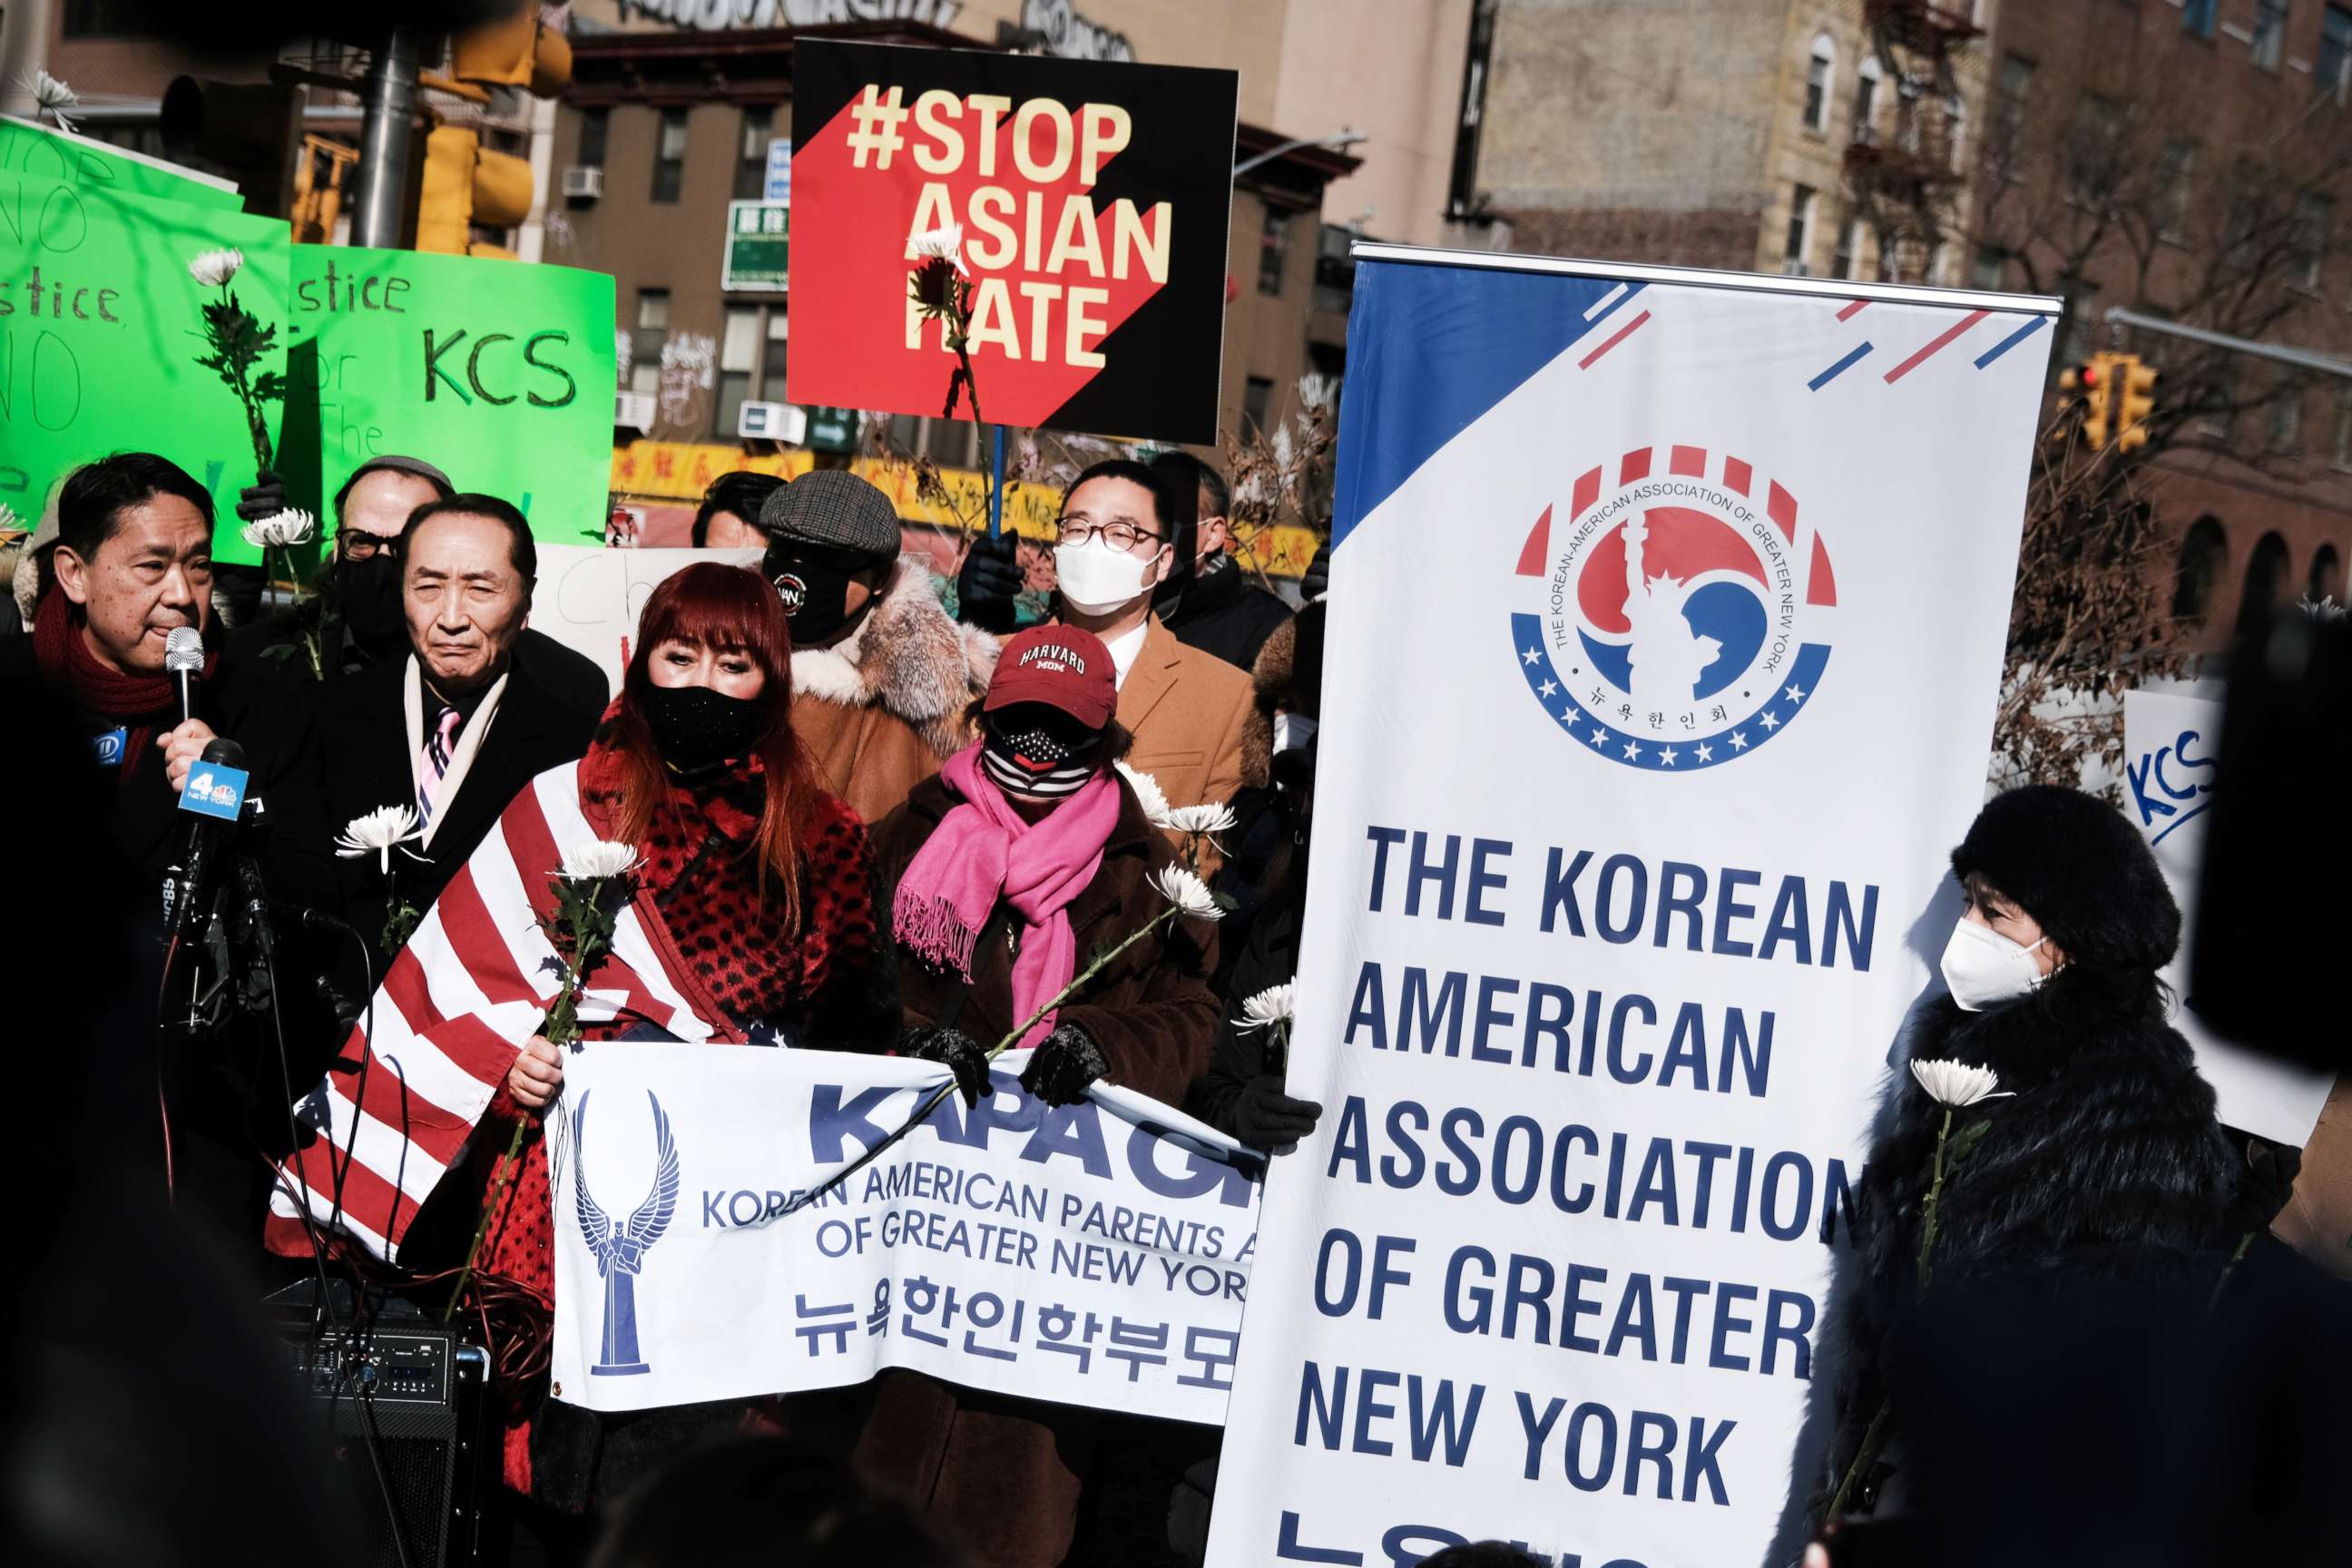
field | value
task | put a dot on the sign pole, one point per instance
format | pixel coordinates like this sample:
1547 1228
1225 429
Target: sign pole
996 481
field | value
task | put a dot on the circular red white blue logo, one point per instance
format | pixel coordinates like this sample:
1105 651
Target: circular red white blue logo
1673 620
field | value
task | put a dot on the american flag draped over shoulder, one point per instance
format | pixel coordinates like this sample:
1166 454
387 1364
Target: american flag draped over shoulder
394 1112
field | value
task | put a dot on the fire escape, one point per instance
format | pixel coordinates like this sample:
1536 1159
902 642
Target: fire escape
1908 183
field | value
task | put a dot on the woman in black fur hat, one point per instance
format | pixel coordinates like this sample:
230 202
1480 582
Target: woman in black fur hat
2102 1161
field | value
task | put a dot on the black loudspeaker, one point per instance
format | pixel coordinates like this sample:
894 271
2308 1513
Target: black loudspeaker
399 1400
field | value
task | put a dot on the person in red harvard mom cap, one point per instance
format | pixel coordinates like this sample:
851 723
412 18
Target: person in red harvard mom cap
1029 850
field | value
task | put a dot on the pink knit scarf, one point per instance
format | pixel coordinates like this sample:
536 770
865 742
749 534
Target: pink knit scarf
982 851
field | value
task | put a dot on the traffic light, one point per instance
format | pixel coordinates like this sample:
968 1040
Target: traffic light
467 186
516 52
2135 400
2089 385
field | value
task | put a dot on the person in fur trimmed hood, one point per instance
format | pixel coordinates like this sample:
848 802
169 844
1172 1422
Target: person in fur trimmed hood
2104 1161
882 675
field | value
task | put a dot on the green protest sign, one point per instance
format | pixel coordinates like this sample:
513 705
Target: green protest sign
26 148
104 330
499 373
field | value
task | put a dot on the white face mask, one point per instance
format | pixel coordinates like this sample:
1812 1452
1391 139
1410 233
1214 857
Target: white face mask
1292 730
1983 967
1097 578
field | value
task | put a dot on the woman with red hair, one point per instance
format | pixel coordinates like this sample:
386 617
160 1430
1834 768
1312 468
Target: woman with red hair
753 887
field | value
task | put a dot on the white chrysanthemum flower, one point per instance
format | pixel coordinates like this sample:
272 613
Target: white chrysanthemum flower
945 242
1147 791
9 522
1201 819
378 833
598 859
1315 391
285 529
216 267
2322 609
1187 893
1275 1004
1957 1084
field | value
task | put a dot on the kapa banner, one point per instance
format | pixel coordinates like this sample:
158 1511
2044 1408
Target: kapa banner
499 373
1667 623
1091 1254
2172 743
1093 200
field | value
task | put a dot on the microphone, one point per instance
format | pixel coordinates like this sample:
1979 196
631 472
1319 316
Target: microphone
183 891
183 660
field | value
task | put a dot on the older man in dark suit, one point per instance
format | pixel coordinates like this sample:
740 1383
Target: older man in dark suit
478 706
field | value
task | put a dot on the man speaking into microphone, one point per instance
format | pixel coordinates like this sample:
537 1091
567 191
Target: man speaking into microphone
133 566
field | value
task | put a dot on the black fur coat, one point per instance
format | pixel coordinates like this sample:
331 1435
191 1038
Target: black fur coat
2106 1161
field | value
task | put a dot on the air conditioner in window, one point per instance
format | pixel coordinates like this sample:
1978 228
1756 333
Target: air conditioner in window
783 422
583 182
632 410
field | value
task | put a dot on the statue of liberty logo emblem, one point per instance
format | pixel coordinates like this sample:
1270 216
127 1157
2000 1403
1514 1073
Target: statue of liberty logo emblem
621 1253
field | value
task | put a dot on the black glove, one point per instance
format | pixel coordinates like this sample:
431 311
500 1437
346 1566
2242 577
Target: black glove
988 584
1270 1121
266 497
1316 581
1062 1066
959 1052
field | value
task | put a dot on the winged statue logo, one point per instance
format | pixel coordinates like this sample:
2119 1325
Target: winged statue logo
621 1253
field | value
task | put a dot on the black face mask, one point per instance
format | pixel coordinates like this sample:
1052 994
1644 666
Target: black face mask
367 597
814 585
696 728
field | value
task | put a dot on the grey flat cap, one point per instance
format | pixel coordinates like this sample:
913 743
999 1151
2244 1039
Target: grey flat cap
836 509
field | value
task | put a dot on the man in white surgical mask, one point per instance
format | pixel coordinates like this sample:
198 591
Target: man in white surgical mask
1186 709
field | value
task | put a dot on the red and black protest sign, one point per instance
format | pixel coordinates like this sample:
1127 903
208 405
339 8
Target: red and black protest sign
1093 200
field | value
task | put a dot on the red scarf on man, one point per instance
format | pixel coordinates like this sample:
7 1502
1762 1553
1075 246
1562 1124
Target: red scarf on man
138 702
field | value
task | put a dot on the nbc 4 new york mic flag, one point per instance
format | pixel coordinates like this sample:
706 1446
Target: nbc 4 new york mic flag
1666 621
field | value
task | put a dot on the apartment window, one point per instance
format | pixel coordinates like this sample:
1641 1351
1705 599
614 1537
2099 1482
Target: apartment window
771 363
1801 232
2285 432
2091 152
2339 448
2308 241
2197 17
2176 167
1849 246
1990 268
2334 51
752 155
1955 130
596 126
1257 404
2216 422
669 157
739 352
1819 73
645 342
2010 100
1273 251
2270 33
2203 552
2082 319
1865 101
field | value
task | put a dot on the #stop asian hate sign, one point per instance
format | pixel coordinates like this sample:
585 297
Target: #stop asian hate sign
1093 201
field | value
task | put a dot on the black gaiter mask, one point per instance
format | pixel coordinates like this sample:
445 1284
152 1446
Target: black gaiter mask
367 597
814 586
696 728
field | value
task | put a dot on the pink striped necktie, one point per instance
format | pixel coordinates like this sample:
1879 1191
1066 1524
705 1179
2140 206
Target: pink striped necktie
434 764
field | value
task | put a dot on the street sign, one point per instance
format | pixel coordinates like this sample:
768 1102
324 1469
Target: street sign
758 248
779 168
831 430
